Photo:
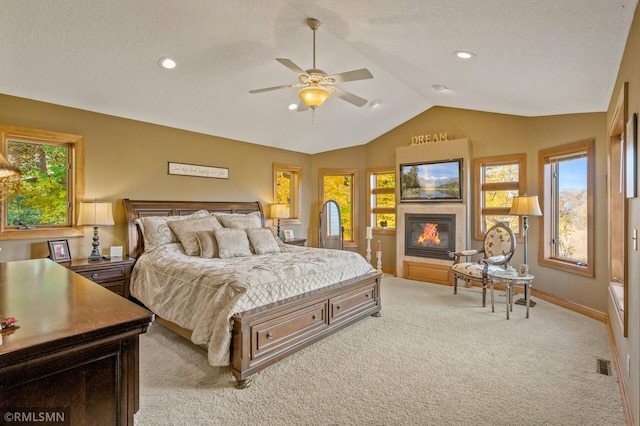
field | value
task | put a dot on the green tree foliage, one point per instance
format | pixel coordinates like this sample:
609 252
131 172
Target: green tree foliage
41 197
340 189
411 182
572 217
386 180
500 173
283 188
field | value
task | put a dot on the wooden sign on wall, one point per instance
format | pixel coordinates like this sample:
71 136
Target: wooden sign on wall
436 137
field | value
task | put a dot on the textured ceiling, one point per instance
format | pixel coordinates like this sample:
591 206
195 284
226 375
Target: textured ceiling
537 57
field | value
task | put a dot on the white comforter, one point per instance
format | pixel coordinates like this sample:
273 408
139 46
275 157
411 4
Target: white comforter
203 294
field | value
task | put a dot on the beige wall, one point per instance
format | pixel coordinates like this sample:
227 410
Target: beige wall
630 346
128 159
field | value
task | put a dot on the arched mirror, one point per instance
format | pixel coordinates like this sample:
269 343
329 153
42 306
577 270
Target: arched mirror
330 226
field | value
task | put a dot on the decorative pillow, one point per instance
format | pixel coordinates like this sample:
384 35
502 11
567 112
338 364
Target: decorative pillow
241 221
186 231
262 240
156 232
208 244
232 243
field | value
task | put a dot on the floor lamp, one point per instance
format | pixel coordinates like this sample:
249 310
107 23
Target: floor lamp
525 206
279 211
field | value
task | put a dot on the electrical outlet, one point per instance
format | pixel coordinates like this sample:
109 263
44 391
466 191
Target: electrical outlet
628 365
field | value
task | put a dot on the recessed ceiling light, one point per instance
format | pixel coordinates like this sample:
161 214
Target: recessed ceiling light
462 54
293 106
374 104
167 63
440 88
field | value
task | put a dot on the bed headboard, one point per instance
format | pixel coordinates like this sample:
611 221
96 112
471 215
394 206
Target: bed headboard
141 208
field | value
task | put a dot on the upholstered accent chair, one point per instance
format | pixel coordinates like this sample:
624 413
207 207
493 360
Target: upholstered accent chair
497 249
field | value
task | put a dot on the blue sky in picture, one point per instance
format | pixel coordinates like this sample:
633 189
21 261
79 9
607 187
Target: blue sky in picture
438 170
573 174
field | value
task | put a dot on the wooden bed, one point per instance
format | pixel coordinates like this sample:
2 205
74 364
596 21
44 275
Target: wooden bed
265 335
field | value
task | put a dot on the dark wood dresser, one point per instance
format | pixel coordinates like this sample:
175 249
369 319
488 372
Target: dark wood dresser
74 350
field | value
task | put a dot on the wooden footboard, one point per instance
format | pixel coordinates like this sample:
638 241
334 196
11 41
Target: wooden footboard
265 335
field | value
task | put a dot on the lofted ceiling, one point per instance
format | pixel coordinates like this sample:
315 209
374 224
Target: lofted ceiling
533 58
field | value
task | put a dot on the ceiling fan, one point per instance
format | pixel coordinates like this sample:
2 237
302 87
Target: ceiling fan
316 85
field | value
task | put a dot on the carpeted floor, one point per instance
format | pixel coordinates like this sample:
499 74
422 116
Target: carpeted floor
431 359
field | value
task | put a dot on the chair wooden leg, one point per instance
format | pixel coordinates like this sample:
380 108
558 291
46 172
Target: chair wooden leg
484 294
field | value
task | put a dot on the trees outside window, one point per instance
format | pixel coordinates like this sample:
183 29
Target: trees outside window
381 200
51 184
341 185
496 181
286 190
567 205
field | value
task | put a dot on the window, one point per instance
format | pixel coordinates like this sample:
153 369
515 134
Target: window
51 184
496 181
341 185
381 200
286 190
566 183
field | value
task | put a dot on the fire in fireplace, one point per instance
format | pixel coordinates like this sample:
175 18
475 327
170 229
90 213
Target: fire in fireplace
430 235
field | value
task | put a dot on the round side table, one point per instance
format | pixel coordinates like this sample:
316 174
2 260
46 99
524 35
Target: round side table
510 279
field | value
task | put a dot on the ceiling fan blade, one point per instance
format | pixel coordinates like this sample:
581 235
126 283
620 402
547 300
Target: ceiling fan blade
289 64
361 74
349 97
267 89
302 107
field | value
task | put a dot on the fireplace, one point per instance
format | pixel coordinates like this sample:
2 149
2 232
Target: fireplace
430 235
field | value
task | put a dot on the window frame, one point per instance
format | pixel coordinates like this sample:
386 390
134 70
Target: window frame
372 192
354 199
479 187
294 204
76 184
546 230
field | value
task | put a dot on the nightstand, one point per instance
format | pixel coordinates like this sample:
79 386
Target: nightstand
295 241
112 274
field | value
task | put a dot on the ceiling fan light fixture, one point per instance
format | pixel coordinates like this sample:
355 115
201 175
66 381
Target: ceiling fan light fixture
314 96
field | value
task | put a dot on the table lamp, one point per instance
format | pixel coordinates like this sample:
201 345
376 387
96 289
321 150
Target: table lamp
279 211
525 206
95 214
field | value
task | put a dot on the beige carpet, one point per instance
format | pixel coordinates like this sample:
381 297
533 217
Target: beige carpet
431 359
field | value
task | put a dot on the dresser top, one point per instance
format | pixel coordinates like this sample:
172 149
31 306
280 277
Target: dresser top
54 308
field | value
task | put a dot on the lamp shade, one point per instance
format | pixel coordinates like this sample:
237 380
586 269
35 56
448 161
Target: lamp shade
314 96
95 214
525 206
279 210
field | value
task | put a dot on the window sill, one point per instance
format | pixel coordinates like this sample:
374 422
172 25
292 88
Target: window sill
47 233
573 268
382 231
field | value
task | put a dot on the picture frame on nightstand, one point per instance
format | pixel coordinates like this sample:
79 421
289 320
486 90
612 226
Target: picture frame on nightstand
59 251
288 234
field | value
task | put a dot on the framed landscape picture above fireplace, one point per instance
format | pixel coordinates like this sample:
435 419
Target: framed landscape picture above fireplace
431 181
